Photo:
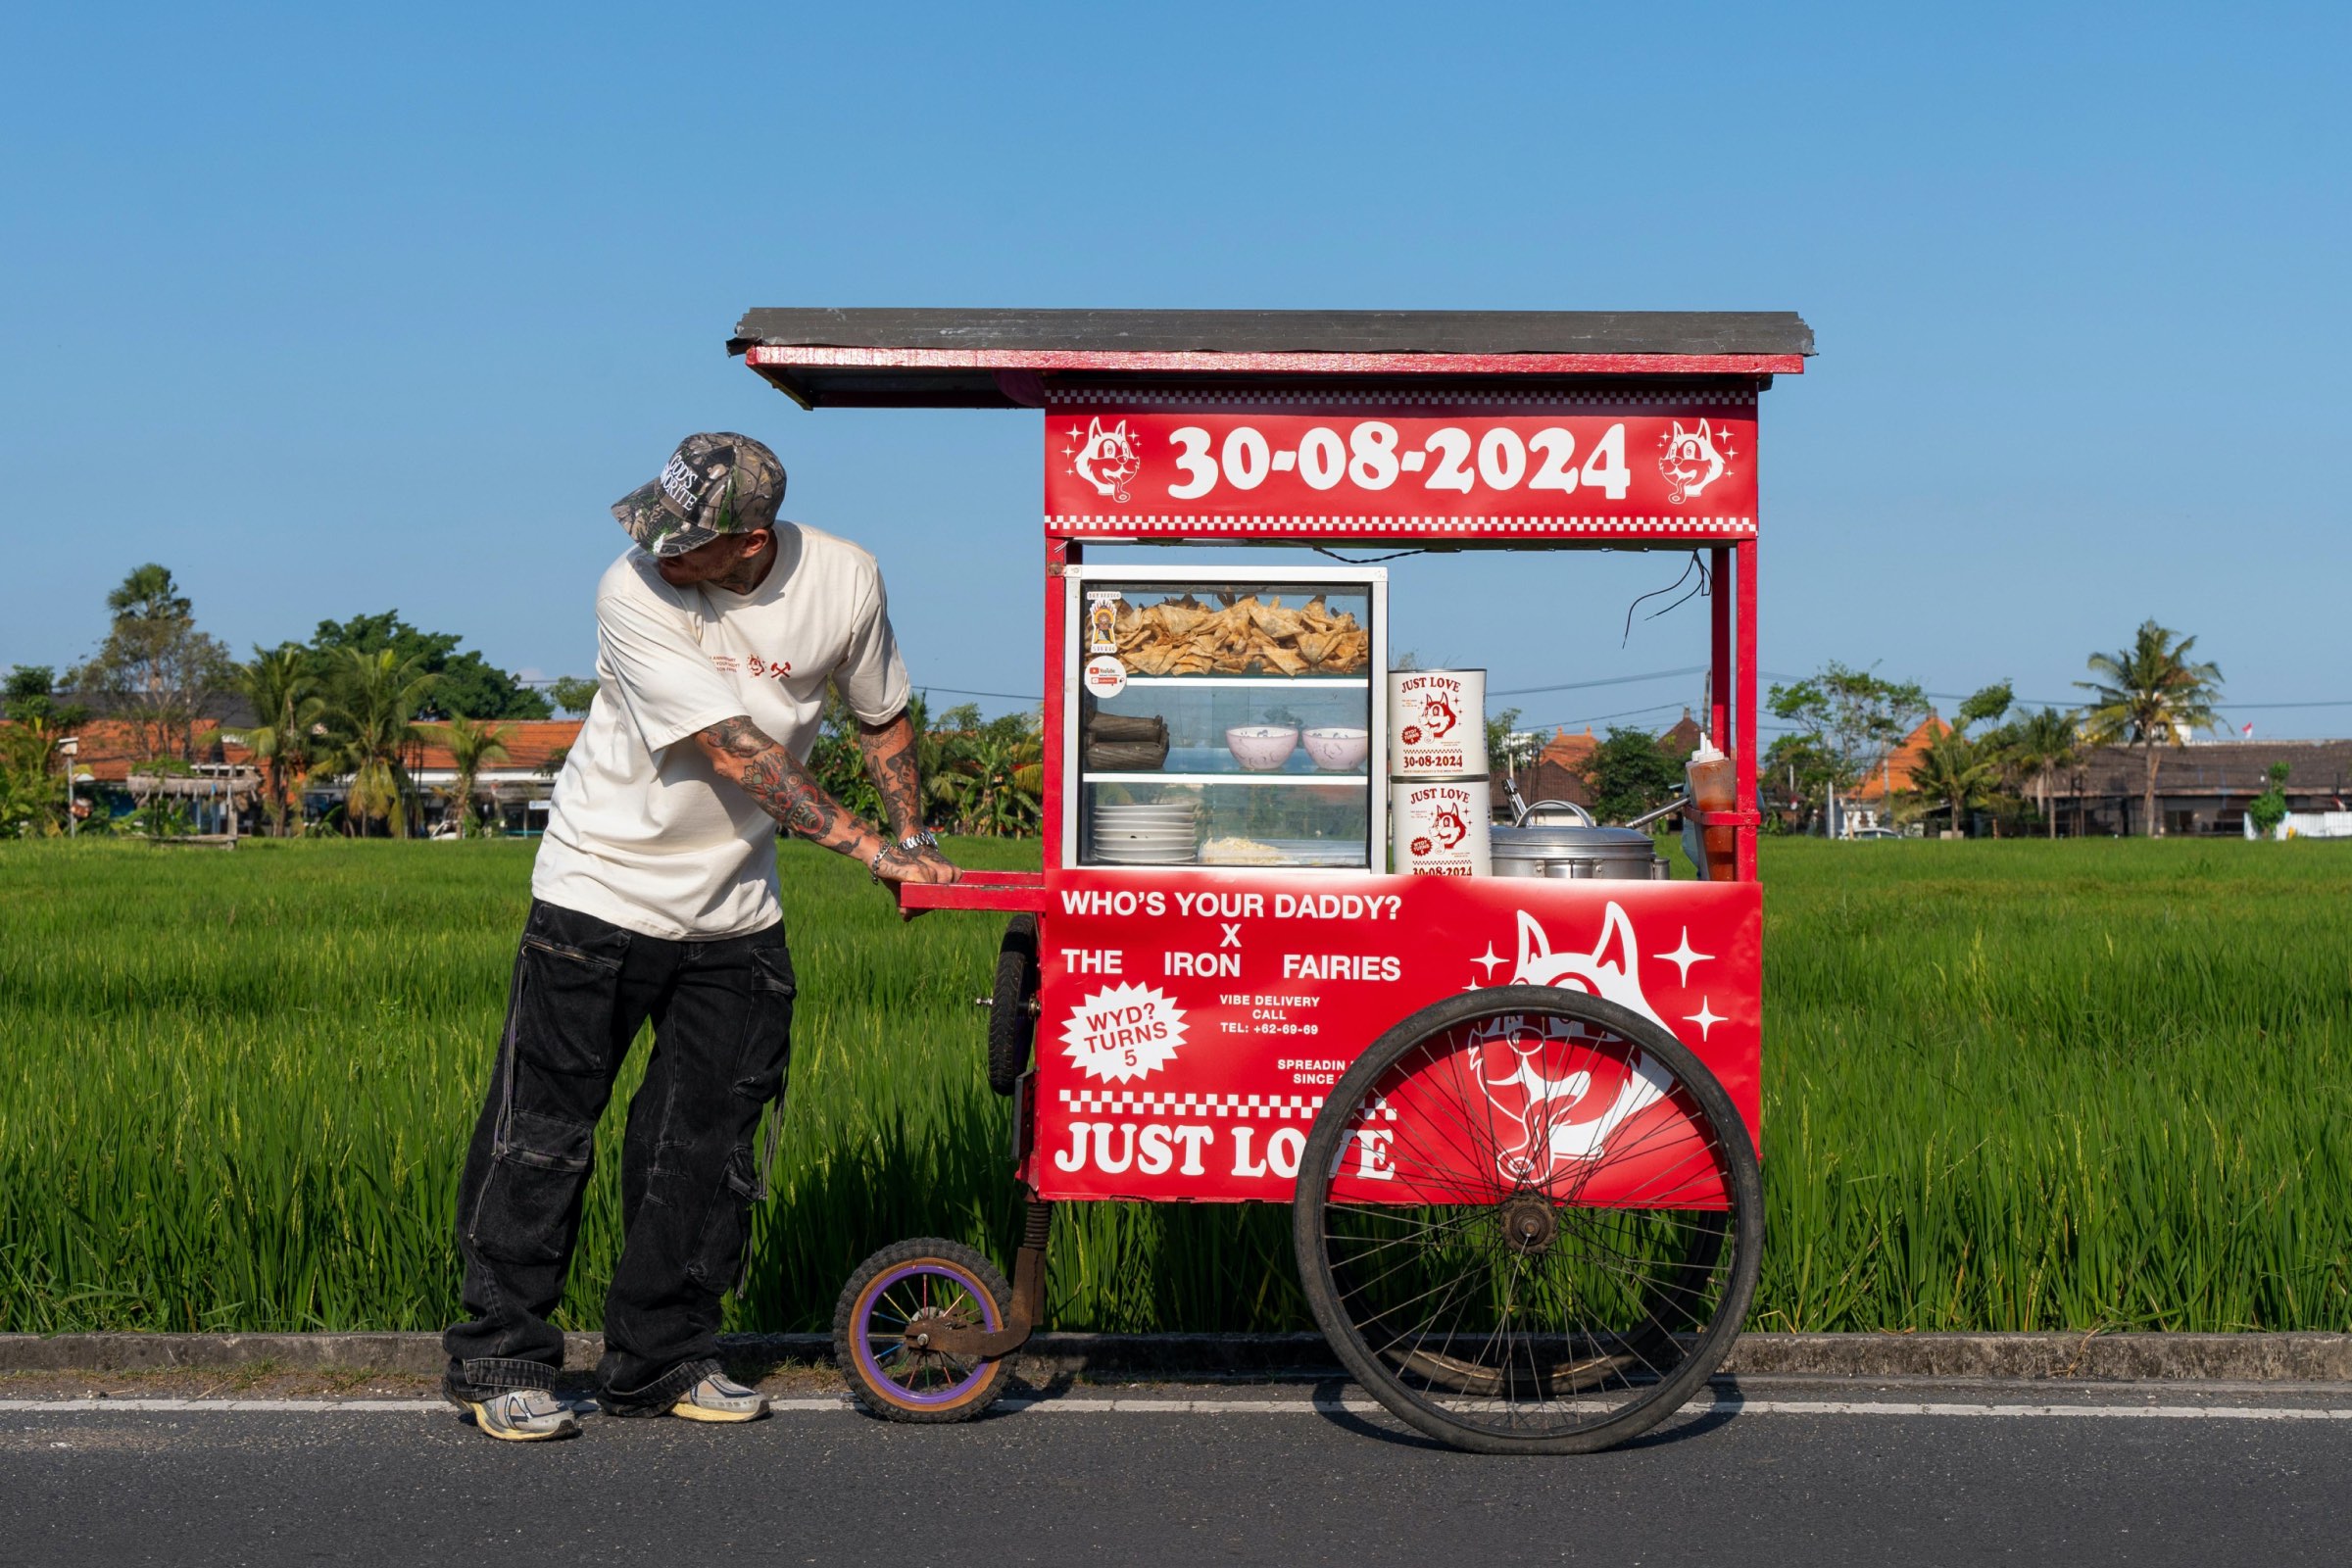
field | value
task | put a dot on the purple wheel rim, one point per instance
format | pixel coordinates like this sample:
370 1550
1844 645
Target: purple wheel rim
862 1333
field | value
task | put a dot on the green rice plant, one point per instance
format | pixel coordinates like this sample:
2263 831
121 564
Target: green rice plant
2008 1085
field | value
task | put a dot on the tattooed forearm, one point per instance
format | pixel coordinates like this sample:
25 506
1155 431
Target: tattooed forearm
890 762
785 790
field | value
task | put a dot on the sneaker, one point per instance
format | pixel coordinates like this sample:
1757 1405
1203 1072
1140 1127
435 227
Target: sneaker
524 1416
719 1398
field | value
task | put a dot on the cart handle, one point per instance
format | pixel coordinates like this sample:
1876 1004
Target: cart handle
1003 891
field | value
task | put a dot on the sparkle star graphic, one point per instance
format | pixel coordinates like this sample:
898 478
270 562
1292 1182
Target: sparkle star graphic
1075 432
1706 1018
1685 956
1486 960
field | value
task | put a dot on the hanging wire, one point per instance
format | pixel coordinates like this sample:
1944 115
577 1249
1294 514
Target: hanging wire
1705 586
1369 560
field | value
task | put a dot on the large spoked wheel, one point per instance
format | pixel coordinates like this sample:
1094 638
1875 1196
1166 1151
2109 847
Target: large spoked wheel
894 1304
1528 1221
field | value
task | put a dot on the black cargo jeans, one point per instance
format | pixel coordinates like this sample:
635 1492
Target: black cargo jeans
722 1012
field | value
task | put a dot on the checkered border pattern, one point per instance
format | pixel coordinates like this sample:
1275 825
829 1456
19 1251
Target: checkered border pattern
1175 400
1207 525
1236 1107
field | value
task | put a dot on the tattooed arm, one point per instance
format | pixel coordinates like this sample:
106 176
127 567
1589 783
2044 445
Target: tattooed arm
787 792
890 762
889 751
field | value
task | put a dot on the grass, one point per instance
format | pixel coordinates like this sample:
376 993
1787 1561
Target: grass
2008 1085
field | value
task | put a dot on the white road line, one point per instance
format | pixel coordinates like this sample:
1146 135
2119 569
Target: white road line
1352 1403
2103 1412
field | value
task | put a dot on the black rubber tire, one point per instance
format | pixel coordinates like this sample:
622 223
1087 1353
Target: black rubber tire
1013 1005
880 1396
1696 1353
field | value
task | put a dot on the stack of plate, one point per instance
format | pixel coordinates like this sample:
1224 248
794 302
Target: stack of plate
1146 835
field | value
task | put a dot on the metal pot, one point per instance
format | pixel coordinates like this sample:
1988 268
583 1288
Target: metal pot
1542 845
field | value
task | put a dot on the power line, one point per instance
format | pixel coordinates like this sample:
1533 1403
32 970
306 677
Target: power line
958 691
1586 685
1629 712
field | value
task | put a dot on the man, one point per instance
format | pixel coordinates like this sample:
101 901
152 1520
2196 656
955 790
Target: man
654 896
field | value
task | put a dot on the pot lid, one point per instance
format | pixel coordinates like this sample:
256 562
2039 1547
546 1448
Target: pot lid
1563 838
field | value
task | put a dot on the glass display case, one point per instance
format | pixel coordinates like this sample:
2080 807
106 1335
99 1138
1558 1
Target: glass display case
1226 718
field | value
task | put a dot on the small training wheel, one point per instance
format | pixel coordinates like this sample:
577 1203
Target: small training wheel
888 1311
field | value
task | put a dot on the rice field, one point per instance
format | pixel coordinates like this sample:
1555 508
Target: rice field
2008 1085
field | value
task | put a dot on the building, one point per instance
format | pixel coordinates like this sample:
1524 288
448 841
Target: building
517 789
1870 804
2202 788
1557 771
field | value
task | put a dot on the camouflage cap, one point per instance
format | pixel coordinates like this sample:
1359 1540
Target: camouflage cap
715 483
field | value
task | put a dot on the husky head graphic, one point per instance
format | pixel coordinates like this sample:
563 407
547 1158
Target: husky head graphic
1549 1117
1438 716
1107 459
1449 828
1611 971
1691 463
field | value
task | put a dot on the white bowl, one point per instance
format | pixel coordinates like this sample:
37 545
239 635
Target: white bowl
1261 748
1338 747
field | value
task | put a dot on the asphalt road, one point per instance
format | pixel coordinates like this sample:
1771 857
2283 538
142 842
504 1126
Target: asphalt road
1792 1477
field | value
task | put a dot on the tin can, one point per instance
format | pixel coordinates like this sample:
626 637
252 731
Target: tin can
1437 724
1439 826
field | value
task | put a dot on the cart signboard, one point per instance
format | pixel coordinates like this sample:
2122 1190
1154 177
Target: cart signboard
1193 1023
1161 465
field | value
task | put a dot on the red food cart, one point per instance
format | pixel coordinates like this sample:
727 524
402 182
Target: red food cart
1517 1116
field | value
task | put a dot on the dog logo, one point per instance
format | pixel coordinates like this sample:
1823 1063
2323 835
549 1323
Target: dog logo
1691 462
1449 828
1552 1119
1107 460
1438 716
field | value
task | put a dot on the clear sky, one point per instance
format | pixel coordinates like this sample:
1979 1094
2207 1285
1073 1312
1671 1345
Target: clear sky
338 308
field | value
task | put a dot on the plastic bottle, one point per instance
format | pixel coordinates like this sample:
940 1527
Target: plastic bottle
1714 787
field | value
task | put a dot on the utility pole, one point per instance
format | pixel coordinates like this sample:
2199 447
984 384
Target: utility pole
68 747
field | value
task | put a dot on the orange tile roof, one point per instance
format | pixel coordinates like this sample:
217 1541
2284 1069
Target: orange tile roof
531 743
111 747
1903 761
1568 751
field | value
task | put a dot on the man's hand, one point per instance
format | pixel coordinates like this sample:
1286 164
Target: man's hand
927 867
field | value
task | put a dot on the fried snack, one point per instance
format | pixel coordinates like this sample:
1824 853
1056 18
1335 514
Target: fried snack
1181 636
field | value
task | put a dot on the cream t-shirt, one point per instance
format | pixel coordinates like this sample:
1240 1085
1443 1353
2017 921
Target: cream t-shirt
643 832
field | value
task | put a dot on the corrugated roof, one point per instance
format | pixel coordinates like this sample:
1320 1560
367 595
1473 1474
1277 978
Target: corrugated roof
995 358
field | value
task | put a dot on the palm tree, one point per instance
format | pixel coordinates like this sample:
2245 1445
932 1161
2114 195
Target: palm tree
472 742
1955 770
2046 742
996 781
2151 693
375 706
287 708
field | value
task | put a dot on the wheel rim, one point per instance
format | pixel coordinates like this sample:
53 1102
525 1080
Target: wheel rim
1530 1223
927 1289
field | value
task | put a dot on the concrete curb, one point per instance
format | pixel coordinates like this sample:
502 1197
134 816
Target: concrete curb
2093 1357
